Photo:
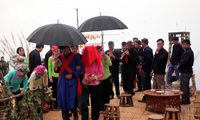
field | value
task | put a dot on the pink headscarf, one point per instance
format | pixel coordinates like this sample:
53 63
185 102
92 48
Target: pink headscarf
54 48
40 69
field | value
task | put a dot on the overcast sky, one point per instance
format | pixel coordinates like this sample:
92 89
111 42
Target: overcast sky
152 19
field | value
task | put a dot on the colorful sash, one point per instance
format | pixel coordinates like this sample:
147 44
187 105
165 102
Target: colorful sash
66 63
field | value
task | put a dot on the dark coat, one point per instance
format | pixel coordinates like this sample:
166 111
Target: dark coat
122 67
140 51
159 62
187 61
115 61
130 66
34 60
47 55
147 59
176 54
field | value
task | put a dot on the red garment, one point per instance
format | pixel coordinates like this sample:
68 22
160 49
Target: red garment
111 58
135 81
79 90
90 55
46 107
66 66
98 47
126 58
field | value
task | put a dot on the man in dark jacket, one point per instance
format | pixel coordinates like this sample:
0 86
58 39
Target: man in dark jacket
159 65
124 48
47 55
129 61
174 60
140 75
34 58
185 68
114 69
146 66
4 67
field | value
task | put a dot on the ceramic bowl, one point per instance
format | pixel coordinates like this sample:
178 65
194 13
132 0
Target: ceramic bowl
152 90
175 91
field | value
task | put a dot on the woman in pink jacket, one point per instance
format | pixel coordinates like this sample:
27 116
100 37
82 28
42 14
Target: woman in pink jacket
94 71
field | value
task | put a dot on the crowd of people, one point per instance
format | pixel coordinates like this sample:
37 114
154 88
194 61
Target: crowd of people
75 77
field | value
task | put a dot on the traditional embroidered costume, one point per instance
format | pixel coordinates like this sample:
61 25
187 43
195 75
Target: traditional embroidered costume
35 80
93 67
67 88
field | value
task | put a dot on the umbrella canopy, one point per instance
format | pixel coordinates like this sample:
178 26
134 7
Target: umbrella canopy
101 23
57 34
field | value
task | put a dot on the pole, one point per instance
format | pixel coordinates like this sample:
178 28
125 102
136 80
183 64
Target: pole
77 17
101 35
102 39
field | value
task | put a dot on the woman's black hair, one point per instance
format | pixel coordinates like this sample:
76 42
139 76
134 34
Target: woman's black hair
19 49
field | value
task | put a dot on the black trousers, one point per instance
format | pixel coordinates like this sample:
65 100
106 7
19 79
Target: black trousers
122 74
19 98
184 84
128 82
105 95
141 79
147 83
65 114
95 92
54 88
115 79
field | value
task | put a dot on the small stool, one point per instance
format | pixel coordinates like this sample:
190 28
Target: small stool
111 111
156 117
173 111
53 103
126 100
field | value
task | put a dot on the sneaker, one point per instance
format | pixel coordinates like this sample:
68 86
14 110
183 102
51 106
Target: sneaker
118 96
141 100
111 97
124 92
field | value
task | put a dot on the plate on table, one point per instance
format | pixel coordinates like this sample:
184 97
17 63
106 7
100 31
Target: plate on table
158 92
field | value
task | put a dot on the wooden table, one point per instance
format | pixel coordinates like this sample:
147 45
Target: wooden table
157 102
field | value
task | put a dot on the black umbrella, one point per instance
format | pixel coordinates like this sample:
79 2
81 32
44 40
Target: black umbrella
101 23
57 34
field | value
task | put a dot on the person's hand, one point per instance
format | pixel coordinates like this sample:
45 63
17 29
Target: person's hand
123 54
104 56
58 63
17 57
127 53
177 67
169 64
108 53
151 74
78 67
51 80
22 90
140 67
111 55
10 92
158 49
120 63
69 76
110 80
91 79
